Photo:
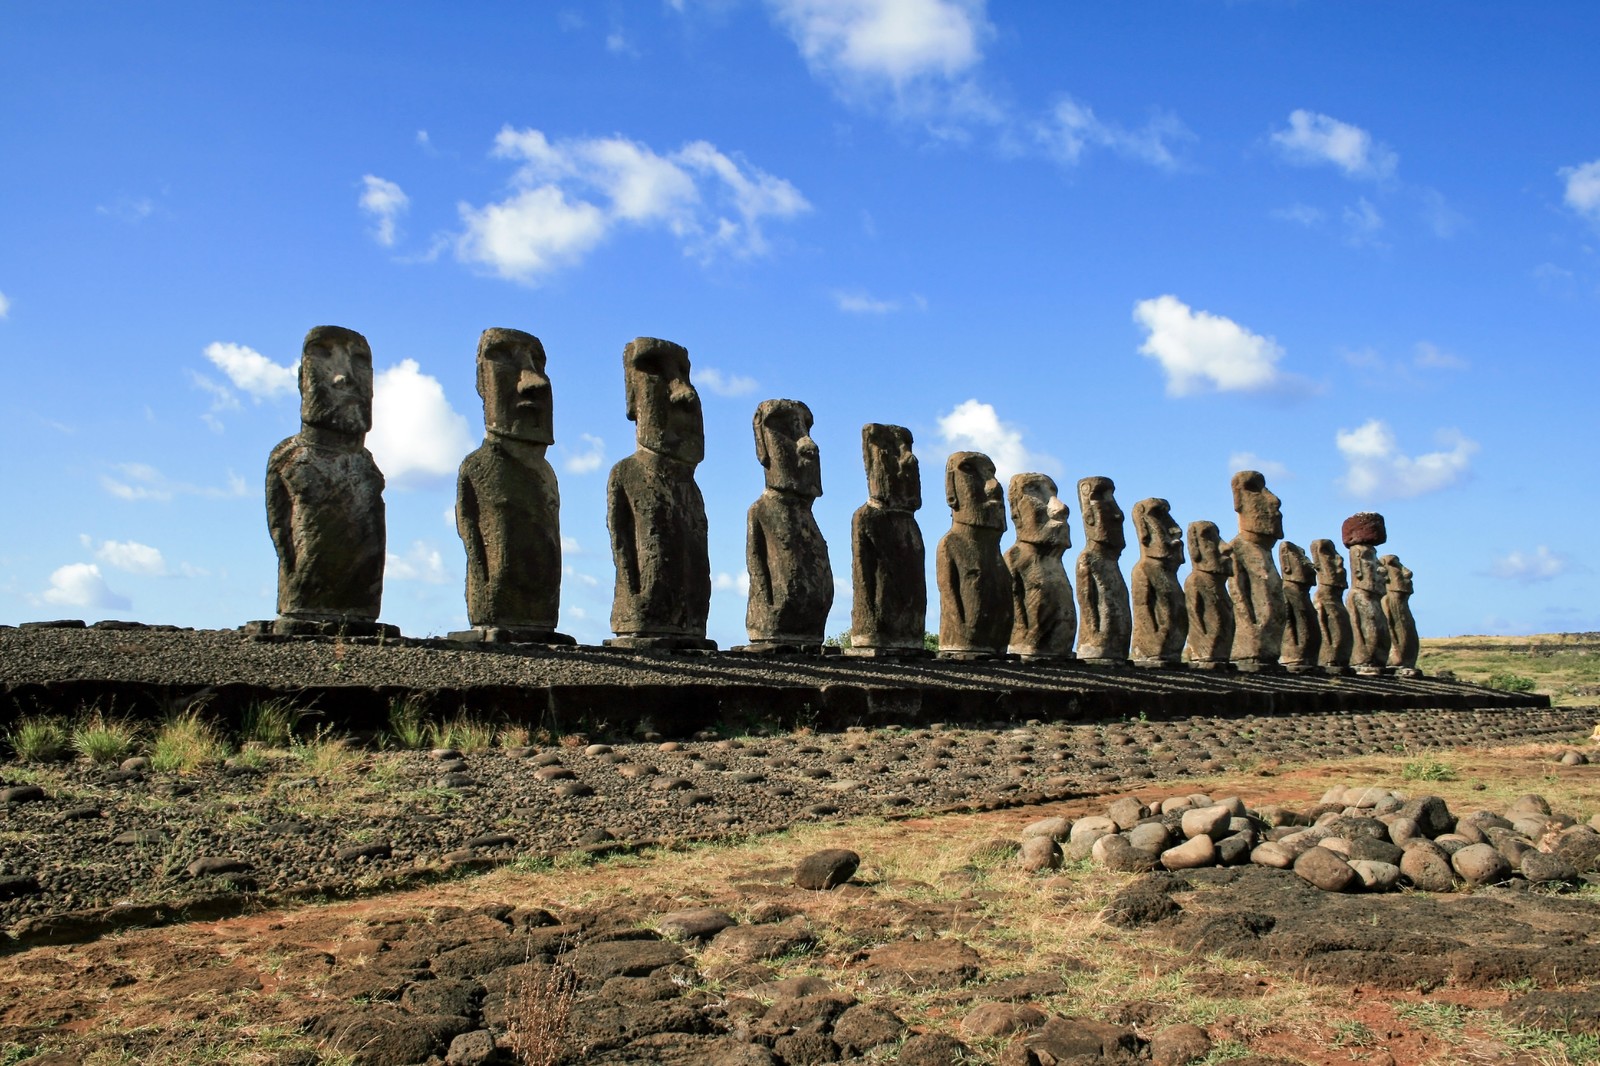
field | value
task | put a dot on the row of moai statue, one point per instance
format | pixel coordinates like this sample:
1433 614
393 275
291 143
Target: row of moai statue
326 515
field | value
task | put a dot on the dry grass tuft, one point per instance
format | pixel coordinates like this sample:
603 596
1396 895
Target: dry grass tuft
541 1015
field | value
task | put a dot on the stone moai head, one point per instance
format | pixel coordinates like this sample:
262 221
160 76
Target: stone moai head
1396 574
785 449
1294 564
1207 549
1102 518
1038 514
1159 536
1366 572
973 493
661 401
1329 563
1260 512
336 381
517 400
894 479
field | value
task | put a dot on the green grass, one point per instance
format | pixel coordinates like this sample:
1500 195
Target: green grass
1509 682
272 722
1565 666
1427 770
1445 1020
38 738
462 732
103 739
185 743
408 724
1351 1033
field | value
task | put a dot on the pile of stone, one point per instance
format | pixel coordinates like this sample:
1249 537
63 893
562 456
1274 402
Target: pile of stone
1356 839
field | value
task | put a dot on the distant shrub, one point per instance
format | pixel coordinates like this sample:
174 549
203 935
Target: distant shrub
187 742
102 739
1509 682
38 738
1428 771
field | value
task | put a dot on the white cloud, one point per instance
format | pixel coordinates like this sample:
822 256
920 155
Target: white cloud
1073 127
1442 218
587 461
1529 568
867 46
1362 224
1302 214
5 306
129 209
1251 461
1313 138
1430 356
617 44
81 585
385 202
1583 189
579 576
860 302
1199 350
725 582
974 426
140 481
1376 467
570 546
422 563
253 373
416 435
131 556
711 202
724 384
222 397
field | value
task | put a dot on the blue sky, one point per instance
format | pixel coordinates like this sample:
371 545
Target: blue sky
1352 245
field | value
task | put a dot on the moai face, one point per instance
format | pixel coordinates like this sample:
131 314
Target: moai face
1102 518
1329 563
973 493
1366 573
1260 512
336 381
517 401
661 401
1294 564
1159 535
1036 511
894 479
785 448
1207 549
1396 574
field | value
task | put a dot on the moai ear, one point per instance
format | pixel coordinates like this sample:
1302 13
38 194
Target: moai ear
758 424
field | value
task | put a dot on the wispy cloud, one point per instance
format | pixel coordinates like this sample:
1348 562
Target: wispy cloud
1072 128
1202 352
1530 568
730 385
1582 189
1313 139
385 202
975 426
1376 468
1299 214
861 302
140 481
130 209
1362 225
422 562
738 583
586 461
1251 461
5 307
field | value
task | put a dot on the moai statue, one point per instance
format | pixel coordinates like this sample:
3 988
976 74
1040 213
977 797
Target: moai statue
1105 620
889 612
508 506
1044 619
791 581
1369 625
1258 609
1333 619
654 509
325 497
1160 616
1206 595
975 615
1403 642
1302 636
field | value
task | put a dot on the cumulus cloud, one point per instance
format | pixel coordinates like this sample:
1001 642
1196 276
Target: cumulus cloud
1201 351
860 302
1251 461
571 195
1530 568
725 582
253 373
1582 192
422 562
385 202
903 48
1072 128
131 556
82 585
416 436
722 384
1377 468
586 461
975 426
1312 139
141 481
5 307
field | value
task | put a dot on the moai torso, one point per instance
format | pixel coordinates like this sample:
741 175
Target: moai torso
1160 615
889 608
1302 636
1333 618
1369 625
1210 608
1105 619
1258 608
791 580
1403 642
974 585
1044 620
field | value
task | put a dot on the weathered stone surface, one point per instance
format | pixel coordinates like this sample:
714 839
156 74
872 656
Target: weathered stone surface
1040 853
1431 814
1363 527
1369 652
1302 635
1210 606
753 943
791 579
990 1020
1326 870
1376 876
1056 828
933 1049
866 1026
1088 829
1105 615
1127 812
1160 616
1177 1045
1073 1040
1258 608
1427 866
1403 642
1541 867
975 612
698 923
826 869
1481 864
890 602
921 964
1191 854
1333 618
1044 618
1206 821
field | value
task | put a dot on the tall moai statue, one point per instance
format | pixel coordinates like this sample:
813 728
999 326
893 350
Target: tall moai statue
1403 640
1258 609
1302 635
1369 625
1333 618
791 580
975 614
325 497
1160 615
1105 619
508 505
888 614
1044 618
654 509
1205 593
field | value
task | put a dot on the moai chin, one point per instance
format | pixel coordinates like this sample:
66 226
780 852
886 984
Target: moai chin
1302 636
654 509
791 580
1333 618
1105 619
1160 616
1369 652
974 584
1258 609
508 505
1044 618
889 609
1210 608
325 497
1403 641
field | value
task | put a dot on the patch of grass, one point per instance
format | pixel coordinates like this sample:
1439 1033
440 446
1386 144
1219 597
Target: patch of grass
325 754
539 1016
408 723
38 738
187 742
1351 1033
1445 1020
462 732
1226 1051
272 722
1427 770
514 736
1506 681
103 739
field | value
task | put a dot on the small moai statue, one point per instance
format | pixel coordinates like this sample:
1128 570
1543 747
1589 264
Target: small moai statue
1160 615
654 509
888 614
791 580
1258 608
1044 618
1205 593
1369 653
1403 642
1333 618
1105 618
325 498
508 505
1302 636
975 614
